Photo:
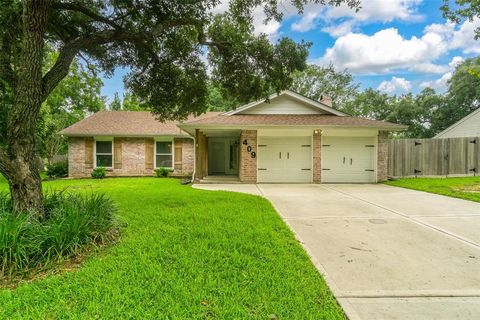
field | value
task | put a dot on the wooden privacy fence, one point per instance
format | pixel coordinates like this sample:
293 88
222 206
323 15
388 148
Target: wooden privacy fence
434 157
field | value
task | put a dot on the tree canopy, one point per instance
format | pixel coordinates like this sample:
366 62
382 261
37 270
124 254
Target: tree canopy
316 81
162 42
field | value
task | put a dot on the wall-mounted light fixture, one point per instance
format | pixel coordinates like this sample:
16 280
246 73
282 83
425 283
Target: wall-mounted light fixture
317 131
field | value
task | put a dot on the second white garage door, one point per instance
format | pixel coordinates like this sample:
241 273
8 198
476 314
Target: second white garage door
348 159
284 159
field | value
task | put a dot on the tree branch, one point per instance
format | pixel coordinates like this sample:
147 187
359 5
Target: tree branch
70 50
87 12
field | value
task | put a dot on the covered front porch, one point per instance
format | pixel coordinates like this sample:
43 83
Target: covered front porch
217 156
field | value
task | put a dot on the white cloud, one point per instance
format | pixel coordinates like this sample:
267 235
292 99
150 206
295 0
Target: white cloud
441 83
339 29
464 38
396 85
307 22
383 51
456 61
427 67
342 19
387 50
438 84
458 37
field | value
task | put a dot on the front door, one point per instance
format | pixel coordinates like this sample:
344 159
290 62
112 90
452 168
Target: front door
223 156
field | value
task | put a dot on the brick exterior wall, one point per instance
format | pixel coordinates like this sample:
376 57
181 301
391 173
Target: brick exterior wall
188 155
382 160
248 165
133 158
76 158
317 157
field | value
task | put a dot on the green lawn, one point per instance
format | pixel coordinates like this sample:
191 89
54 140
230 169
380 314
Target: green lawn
465 188
184 254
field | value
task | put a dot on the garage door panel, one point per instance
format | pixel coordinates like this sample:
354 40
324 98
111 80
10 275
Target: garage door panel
284 159
348 159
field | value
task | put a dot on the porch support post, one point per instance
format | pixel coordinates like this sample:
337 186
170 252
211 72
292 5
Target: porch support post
248 156
201 155
382 156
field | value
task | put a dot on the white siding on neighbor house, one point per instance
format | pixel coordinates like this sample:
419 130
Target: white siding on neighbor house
467 127
283 105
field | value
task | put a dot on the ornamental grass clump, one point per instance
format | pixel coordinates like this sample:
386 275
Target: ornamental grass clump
73 224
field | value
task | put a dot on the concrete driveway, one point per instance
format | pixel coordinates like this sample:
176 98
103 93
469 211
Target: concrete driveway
386 252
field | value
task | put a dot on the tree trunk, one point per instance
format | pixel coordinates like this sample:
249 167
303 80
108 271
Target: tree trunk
25 184
20 165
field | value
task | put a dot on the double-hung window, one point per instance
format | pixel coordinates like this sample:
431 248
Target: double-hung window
163 154
104 154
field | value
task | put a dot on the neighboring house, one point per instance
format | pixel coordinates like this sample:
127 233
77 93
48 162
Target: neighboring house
464 128
289 139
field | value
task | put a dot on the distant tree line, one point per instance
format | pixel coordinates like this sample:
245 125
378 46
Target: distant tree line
426 113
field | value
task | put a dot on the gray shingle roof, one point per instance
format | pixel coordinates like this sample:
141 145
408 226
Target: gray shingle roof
127 123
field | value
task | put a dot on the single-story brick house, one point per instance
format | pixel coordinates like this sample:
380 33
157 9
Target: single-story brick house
290 138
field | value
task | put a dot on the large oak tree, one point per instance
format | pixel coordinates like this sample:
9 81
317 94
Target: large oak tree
162 42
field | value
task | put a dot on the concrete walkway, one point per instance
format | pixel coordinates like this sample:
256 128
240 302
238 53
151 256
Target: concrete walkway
386 252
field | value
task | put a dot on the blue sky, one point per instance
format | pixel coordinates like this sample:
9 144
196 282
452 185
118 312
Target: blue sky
396 46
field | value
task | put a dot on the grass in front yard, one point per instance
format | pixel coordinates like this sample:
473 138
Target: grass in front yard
184 254
467 188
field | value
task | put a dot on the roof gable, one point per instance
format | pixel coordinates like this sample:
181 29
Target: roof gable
468 126
287 102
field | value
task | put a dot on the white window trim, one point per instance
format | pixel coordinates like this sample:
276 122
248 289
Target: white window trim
172 152
95 151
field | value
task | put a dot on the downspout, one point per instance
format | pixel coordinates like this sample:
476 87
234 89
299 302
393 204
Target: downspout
194 158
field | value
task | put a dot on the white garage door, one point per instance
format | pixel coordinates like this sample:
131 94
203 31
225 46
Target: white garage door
348 159
284 159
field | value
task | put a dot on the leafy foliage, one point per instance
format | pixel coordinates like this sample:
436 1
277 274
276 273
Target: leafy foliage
99 173
459 10
415 111
116 103
316 81
463 95
72 223
218 101
371 104
76 96
130 102
57 170
133 103
162 172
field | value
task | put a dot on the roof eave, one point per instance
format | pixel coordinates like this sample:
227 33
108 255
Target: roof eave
186 127
83 135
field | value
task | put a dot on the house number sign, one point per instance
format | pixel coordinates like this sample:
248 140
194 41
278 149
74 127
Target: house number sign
252 153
